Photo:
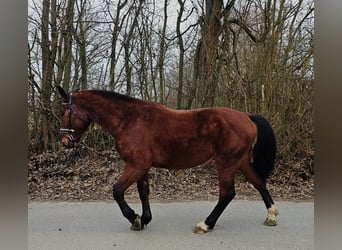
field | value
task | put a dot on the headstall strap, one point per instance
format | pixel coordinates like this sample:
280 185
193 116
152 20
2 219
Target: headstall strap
68 130
70 110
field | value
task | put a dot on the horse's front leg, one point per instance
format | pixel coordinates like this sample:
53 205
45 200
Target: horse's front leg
127 178
144 192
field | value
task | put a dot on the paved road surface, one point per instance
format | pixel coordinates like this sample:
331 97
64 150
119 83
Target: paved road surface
100 225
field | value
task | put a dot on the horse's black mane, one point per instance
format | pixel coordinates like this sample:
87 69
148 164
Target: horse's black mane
115 96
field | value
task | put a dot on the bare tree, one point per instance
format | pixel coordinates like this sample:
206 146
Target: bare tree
49 48
80 37
162 52
127 44
118 21
64 54
181 53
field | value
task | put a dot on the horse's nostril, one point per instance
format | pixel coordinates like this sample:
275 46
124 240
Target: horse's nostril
67 143
65 140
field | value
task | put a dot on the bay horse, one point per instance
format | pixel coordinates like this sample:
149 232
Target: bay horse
149 134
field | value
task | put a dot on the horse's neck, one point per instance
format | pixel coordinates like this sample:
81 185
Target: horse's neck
105 113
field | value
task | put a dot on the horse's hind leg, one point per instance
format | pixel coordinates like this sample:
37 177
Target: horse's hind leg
144 191
260 185
127 178
227 193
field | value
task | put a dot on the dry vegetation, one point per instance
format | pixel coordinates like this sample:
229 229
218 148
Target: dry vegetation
80 174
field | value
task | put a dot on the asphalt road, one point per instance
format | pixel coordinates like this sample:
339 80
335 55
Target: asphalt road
100 225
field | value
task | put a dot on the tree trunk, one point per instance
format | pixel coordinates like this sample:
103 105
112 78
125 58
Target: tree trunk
205 65
128 69
46 74
115 35
211 46
162 56
68 44
80 38
181 55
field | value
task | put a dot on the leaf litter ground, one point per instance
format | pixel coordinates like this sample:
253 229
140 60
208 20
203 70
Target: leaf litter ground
80 175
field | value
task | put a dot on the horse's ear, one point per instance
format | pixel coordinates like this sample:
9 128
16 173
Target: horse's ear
62 92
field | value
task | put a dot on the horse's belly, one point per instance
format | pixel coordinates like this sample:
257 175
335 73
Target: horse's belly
184 157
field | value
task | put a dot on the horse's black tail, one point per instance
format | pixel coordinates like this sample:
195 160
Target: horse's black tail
264 151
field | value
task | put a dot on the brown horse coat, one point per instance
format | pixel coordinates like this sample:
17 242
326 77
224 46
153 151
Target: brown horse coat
148 134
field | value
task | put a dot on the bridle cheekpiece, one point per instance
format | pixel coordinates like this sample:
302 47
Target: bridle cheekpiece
70 131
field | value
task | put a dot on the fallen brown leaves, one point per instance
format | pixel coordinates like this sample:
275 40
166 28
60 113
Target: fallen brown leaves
80 174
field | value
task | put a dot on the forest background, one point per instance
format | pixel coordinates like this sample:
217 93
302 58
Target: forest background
255 56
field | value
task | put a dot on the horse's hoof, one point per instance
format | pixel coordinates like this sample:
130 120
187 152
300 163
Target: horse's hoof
271 216
201 228
137 225
269 222
198 230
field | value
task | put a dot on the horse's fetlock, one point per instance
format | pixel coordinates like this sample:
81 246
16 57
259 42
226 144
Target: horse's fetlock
145 219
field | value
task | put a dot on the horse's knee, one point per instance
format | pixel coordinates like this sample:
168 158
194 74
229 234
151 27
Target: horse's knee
260 186
117 193
143 189
231 194
144 194
228 195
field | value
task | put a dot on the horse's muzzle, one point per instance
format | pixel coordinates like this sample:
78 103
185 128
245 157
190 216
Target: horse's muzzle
67 142
67 137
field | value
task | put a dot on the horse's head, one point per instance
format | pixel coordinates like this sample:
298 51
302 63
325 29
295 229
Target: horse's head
74 120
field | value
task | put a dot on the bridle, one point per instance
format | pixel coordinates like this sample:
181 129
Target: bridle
70 131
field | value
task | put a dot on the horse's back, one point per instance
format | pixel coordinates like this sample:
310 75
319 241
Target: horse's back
184 139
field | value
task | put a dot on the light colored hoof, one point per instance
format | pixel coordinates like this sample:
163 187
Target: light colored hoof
198 230
269 222
271 216
201 228
137 226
